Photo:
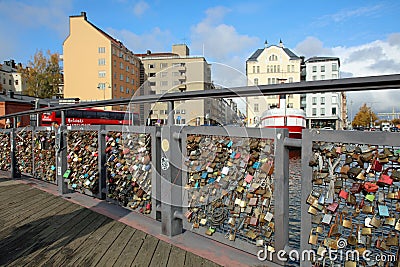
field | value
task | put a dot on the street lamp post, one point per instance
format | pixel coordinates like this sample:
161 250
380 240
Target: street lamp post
102 86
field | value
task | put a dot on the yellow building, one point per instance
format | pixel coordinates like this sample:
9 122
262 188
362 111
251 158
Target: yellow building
97 66
272 64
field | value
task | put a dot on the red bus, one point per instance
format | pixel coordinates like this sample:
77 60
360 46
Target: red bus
89 116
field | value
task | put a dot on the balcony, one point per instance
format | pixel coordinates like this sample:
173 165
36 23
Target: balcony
182 77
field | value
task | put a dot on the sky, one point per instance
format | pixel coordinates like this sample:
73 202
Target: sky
364 34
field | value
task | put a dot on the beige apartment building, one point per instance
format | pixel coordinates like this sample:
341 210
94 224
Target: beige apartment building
96 65
272 64
177 71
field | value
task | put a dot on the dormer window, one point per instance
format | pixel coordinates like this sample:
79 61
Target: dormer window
273 58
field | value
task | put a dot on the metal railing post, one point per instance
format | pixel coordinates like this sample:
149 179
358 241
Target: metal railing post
171 178
15 173
281 193
102 160
61 155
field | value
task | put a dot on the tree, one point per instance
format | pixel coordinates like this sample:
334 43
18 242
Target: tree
42 76
364 117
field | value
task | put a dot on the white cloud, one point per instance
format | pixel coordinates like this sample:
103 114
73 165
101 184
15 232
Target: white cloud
140 8
358 12
52 14
222 43
380 57
157 40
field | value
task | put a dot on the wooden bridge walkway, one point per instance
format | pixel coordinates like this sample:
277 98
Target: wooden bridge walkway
42 229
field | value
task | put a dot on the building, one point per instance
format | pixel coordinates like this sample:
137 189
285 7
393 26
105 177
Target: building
10 77
177 71
324 109
272 64
96 65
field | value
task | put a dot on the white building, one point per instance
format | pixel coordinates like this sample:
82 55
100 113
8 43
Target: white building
324 109
10 77
272 64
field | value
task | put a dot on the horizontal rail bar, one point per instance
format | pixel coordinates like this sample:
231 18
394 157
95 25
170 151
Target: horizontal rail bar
336 85
292 142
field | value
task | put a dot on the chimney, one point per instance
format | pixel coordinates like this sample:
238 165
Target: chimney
83 14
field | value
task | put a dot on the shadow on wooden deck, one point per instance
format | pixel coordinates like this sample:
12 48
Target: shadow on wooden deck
41 229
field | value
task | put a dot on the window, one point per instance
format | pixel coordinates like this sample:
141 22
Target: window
314 100
127 68
163 65
16 82
256 81
183 111
269 80
322 100
273 80
278 68
290 96
121 65
254 69
9 82
334 67
334 76
334 111
102 61
164 74
290 105
314 78
314 69
151 66
290 79
176 83
175 74
164 83
121 88
288 68
152 74
322 68
102 50
322 111
292 68
121 77
258 69
334 99
115 63
152 83
256 107
183 121
273 58
274 68
102 86
102 74
127 90
127 79
4 80
133 81
115 75
322 77
314 112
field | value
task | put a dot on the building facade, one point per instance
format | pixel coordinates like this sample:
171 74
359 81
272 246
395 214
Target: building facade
177 71
324 109
10 77
97 66
272 64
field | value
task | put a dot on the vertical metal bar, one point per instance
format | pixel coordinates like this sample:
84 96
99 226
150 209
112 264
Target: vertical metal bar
33 151
281 193
170 110
306 187
171 179
156 158
61 155
15 173
101 139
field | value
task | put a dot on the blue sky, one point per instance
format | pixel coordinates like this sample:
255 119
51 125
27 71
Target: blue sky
364 34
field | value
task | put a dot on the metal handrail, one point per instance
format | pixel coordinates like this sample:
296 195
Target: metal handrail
383 82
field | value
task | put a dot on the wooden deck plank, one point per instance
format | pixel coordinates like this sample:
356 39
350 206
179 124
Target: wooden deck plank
27 203
176 257
131 249
112 254
87 246
15 188
161 255
57 225
146 252
95 255
26 211
47 252
32 224
70 249
7 200
196 261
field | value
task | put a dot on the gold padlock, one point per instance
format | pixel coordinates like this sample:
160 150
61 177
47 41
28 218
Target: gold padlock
397 226
313 239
